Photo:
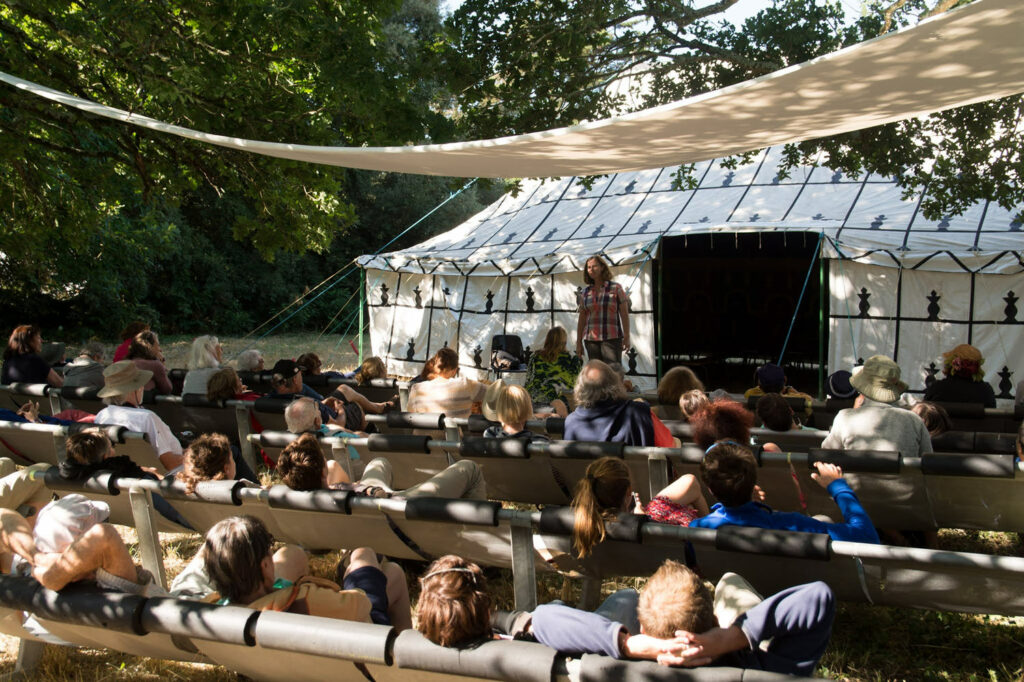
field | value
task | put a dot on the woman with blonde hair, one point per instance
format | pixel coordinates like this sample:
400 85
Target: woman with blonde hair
204 360
372 368
671 388
551 372
607 491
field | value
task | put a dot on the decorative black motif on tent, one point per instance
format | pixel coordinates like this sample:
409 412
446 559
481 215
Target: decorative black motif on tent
777 179
445 344
864 305
943 224
631 360
383 294
410 352
705 219
468 243
860 361
931 370
579 296
877 222
583 190
428 249
754 218
1005 385
527 354
419 301
728 179
597 230
1011 308
447 292
510 237
550 234
490 303
529 299
630 187
644 226
817 216
1016 225
478 357
837 176
933 307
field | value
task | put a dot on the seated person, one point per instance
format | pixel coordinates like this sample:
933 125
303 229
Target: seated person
250 360
225 384
838 386
690 402
372 368
122 392
86 370
211 457
23 363
934 416
671 388
551 372
146 353
604 414
729 471
287 384
672 620
302 416
91 452
964 381
771 378
513 408
776 414
238 558
722 418
302 466
127 334
204 359
607 491
446 393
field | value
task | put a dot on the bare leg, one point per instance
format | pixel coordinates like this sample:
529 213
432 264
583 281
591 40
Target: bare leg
399 609
358 398
560 408
335 473
686 490
291 563
15 538
98 547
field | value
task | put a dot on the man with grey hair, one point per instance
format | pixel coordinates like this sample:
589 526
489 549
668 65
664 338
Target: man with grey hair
604 414
302 415
87 369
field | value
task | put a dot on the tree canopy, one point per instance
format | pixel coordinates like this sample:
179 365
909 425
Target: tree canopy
521 66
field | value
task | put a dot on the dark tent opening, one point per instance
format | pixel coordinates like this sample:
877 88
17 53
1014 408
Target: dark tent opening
726 302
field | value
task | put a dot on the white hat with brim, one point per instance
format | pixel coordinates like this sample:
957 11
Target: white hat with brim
879 379
489 406
123 377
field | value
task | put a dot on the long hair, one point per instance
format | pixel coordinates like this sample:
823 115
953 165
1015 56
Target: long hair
447 362
372 368
675 383
203 353
132 329
606 272
454 605
599 497
143 346
20 342
205 460
310 363
554 344
222 385
721 419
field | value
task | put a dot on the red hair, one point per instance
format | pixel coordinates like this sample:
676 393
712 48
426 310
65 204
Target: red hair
721 419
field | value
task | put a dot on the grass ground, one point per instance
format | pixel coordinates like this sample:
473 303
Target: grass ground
868 642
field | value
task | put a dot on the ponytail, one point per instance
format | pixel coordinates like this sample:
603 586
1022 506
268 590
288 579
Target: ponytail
598 498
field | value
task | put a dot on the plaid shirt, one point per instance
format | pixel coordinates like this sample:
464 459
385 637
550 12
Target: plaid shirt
603 307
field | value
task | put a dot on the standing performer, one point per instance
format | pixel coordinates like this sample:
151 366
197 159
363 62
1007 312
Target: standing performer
604 315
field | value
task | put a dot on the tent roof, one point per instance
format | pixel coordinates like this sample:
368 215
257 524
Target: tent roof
957 58
554 225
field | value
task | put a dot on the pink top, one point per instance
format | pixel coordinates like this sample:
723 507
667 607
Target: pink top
121 352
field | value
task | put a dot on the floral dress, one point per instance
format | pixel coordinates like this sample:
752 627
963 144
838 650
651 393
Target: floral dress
546 381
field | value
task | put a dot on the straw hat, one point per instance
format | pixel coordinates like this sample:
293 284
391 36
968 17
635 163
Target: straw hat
879 379
123 377
489 407
965 360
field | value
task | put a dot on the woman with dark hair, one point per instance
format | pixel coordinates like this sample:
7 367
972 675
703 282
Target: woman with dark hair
446 392
603 325
145 353
671 388
22 362
551 372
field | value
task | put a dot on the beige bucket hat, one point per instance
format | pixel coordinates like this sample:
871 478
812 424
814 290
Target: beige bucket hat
123 377
879 379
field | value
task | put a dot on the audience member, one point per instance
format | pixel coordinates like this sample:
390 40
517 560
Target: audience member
771 378
839 387
303 416
690 402
22 362
207 458
122 392
775 413
146 354
127 334
239 560
934 416
875 422
607 491
429 371
604 414
454 607
722 418
225 384
86 370
446 392
250 360
204 359
676 382
286 380
729 471
513 408
963 382
372 368
302 466
551 372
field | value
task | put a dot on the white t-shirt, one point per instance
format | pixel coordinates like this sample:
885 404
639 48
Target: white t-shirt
140 419
454 397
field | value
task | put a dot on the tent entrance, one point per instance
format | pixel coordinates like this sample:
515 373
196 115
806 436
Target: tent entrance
726 302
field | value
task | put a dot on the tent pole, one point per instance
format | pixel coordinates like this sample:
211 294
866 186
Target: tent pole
821 325
657 339
362 303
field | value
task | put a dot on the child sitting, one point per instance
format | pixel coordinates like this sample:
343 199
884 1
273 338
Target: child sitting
513 408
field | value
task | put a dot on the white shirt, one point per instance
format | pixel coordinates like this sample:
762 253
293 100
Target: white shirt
142 420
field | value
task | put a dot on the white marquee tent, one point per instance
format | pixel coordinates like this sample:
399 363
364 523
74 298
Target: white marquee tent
902 285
